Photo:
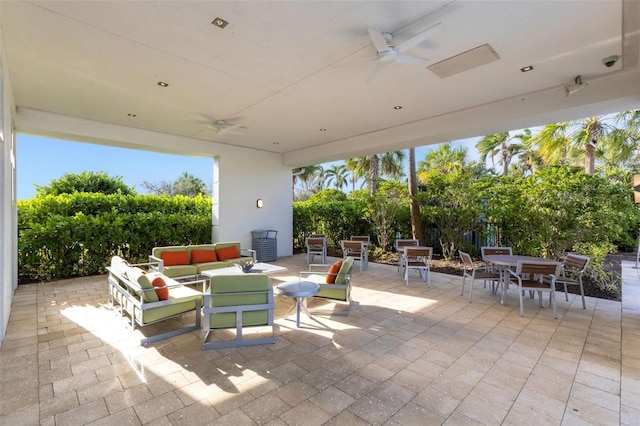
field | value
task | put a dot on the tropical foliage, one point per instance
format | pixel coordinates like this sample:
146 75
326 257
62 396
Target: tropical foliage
186 184
71 235
99 182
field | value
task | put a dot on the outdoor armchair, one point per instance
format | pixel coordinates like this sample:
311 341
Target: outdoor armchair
236 302
335 283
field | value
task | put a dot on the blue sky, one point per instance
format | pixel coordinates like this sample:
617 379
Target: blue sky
41 160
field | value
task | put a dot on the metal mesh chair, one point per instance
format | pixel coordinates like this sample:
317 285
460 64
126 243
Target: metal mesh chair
484 273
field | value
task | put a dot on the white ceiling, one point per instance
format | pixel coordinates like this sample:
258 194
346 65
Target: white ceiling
285 70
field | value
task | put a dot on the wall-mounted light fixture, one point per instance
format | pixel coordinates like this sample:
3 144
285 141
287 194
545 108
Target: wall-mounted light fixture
573 88
259 203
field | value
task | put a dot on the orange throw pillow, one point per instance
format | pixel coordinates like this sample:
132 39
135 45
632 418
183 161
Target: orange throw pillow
333 272
172 258
163 293
228 253
202 256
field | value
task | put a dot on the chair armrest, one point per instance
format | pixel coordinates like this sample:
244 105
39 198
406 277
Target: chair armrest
248 253
156 264
313 266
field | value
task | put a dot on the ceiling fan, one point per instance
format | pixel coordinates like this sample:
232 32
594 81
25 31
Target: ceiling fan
389 54
223 127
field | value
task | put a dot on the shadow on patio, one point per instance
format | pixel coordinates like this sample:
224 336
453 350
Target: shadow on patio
405 355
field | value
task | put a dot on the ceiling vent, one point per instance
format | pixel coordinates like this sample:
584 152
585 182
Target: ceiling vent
464 61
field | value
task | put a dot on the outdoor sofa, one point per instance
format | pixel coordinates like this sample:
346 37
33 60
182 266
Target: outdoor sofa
191 260
143 297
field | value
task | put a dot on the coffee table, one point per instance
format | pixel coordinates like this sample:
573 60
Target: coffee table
298 291
258 268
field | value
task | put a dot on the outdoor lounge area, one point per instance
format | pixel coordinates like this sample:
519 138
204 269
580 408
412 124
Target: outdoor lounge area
405 355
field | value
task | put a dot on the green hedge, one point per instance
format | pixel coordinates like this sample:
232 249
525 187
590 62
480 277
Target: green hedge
75 235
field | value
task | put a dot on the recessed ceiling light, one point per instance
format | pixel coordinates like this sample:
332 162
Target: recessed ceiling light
163 84
527 68
397 107
323 130
131 115
219 22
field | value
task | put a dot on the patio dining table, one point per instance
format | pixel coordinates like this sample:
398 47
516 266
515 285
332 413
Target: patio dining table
506 261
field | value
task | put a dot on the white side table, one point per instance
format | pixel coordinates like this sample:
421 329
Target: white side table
298 291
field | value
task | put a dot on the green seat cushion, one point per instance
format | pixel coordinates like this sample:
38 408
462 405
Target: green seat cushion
210 265
181 299
180 270
332 293
249 318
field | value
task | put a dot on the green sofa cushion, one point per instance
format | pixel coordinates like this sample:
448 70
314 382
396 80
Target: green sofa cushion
180 270
137 275
345 270
210 265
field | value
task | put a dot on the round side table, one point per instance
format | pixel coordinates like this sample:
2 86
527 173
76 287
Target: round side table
298 291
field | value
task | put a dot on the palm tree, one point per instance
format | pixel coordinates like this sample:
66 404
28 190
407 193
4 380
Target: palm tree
336 174
498 145
389 163
529 157
443 159
414 207
583 138
311 178
357 169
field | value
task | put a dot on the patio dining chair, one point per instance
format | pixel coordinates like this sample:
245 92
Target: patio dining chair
316 246
484 273
488 251
418 259
573 267
357 250
400 245
536 276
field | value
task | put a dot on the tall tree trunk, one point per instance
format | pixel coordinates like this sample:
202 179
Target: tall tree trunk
590 159
373 177
595 133
505 160
414 207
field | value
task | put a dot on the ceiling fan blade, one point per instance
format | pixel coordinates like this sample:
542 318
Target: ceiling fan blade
374 72
408 44
378 40
232 127
411 60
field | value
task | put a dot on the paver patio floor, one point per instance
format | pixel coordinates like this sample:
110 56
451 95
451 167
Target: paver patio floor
405 355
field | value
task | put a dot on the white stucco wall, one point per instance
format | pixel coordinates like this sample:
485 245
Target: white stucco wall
8 224
243 179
